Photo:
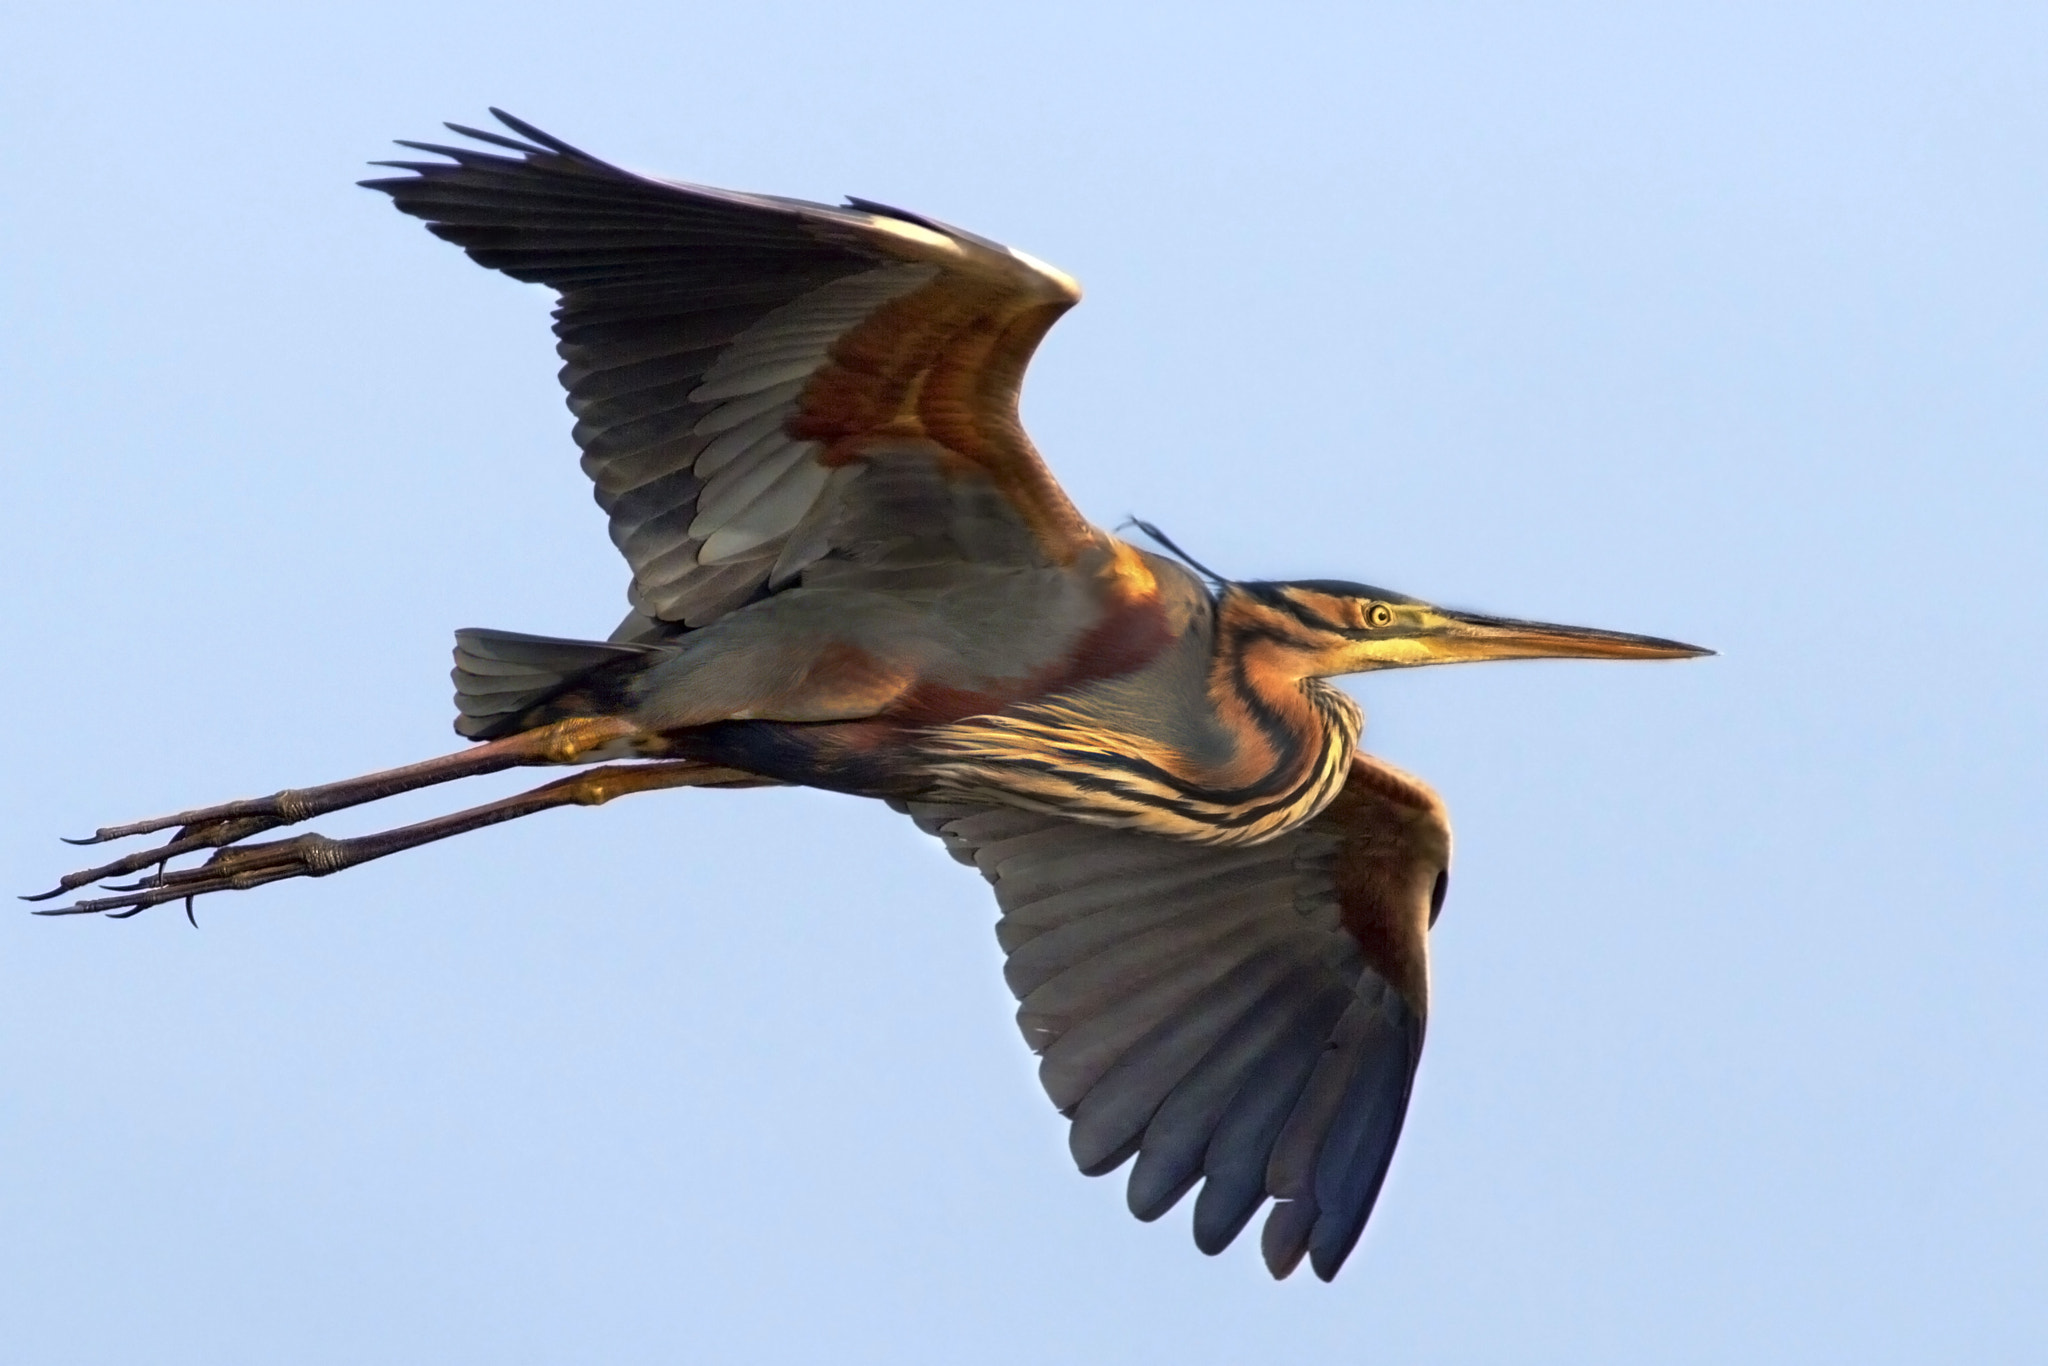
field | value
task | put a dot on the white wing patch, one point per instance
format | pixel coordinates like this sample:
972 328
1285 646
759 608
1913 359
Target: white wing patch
1066 283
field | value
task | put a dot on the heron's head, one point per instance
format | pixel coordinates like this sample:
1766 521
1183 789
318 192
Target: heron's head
1327 627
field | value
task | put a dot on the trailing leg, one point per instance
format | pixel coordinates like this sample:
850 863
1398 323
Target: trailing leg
312 855
575 740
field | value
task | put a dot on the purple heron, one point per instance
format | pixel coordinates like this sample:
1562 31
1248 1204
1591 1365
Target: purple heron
852 571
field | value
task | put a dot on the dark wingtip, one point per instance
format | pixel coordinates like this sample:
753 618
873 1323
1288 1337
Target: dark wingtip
495 139
1284 1239
537 144
439 149
547 140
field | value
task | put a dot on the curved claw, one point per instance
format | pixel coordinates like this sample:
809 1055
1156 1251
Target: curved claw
229 870
193 836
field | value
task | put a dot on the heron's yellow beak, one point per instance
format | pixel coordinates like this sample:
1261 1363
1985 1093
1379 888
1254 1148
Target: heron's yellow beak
1344 628
1420 634
1459 636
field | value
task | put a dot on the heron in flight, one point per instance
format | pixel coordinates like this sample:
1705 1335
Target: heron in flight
852 571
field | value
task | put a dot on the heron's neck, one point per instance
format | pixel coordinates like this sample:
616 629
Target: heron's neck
1217 741
1290 728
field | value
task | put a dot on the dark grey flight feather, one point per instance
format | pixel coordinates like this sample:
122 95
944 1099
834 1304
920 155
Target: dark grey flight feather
1204 1010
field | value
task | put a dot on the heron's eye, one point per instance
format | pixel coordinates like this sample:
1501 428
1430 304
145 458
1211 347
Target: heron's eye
1379 614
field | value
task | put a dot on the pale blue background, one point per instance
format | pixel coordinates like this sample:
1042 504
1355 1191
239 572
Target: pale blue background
1721 321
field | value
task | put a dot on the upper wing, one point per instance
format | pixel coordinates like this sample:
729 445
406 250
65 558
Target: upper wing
736 360
1252 1016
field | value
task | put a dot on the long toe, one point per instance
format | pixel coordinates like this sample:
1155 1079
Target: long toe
230 870
193 836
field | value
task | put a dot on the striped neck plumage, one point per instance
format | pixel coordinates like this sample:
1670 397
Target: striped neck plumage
1291 739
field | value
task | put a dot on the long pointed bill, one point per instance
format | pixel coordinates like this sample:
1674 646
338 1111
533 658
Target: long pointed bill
1455 637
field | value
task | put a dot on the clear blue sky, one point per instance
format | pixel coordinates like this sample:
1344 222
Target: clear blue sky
1720 321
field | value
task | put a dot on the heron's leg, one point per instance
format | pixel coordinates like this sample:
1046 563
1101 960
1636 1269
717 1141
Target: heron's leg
216 827
310 855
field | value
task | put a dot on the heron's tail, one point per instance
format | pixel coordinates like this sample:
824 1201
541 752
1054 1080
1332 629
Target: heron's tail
506 682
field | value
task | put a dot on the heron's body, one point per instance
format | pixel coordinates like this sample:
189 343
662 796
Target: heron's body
857 684
852 571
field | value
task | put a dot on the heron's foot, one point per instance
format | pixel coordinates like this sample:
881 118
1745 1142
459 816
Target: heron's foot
210 828
235 869
216 827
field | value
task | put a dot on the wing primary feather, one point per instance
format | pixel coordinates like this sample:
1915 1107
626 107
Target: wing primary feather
495 139
1291 1172
1235 1163
468 158
1170 1158
549 141
1284 1240
1360 1144
1080 1046
1112 1117
1376 1029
